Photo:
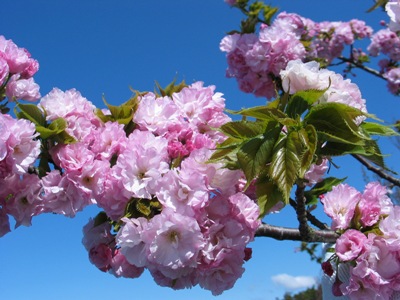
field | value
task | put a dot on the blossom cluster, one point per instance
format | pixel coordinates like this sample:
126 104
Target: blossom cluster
369 242
167 208
17 68
255 60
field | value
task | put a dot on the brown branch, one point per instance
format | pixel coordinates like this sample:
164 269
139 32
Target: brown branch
305 230
293 234
310 217
362 67
377 170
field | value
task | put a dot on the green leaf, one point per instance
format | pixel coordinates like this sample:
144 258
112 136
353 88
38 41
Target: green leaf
243 129
269 12
268 195
255 153
377 4
321 188
100 219
286 161
261 112
58 125
170 88
30 112
378 129
308 137
302 100
336 120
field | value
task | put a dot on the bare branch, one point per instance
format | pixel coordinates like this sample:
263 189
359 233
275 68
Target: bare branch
362 67
293 234
377 170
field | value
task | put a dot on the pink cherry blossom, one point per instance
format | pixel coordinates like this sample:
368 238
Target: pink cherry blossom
393 10
174 241
101 256
350 244
120 267
23 196
24 89
96 234
340 204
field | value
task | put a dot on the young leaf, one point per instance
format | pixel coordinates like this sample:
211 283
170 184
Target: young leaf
30 112
378 129
308 137
337 120
286 161
243 129
301 101
255 153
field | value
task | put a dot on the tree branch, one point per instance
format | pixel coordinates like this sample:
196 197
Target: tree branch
305 230
362 67
310 217
293 234
377 170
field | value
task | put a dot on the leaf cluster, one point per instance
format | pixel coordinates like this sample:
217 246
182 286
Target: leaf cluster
276 144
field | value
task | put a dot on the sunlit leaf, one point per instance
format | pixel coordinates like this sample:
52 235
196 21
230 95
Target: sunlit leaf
286 161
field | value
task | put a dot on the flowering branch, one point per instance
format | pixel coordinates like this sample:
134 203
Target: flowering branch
377 170
293 234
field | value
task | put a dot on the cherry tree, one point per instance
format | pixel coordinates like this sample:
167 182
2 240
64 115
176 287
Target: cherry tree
184 188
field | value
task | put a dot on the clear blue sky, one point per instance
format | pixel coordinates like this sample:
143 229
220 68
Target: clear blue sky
104 47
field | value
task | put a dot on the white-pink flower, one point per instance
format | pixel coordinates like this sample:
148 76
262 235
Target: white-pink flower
174 241
393 10
340 204
24 89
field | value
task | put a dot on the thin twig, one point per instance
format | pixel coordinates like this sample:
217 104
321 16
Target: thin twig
361 66
377 170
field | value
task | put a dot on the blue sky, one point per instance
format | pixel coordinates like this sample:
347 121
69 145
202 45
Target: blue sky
103 48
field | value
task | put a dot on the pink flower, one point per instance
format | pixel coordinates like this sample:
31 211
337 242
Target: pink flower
101 256
156 115
23 196
4 70
130 239
24 89
393 10
299 76
96 235
120 267
59 104
62 196
174 241
374 203
316 172
340 204
4 222
350 244
390 227
17 58
223 272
